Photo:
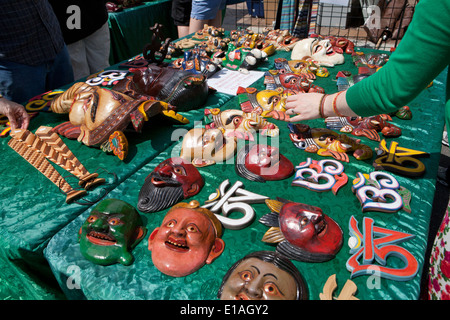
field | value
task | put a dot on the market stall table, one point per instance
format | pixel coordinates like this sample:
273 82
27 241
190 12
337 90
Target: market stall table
81 279
34 209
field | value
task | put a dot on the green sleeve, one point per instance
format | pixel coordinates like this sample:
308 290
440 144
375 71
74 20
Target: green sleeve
422 54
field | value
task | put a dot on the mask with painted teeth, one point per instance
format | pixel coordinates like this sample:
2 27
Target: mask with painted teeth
188 238
111 231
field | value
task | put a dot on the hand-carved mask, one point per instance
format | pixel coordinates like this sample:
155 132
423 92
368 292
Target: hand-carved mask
302 232
326 142
242 125
112 230
207 146
171 181
180 88
95 113
320 50
267 103
263 275
189 237
262 162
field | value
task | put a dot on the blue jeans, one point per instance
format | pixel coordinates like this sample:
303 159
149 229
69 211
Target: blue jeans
20 83
206 9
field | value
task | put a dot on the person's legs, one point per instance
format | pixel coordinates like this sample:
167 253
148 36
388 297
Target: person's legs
19 82
97 49
181 12
59 71
206 12
78 59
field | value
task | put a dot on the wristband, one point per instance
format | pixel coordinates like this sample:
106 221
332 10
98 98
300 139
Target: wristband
335 106
321 105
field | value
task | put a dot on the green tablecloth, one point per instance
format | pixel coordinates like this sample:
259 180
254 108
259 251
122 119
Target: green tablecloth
129 29
142 280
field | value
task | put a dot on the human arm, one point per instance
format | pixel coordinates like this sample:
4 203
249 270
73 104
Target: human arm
16 113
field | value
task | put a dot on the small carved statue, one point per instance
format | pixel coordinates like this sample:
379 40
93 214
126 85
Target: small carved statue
302 232
111 231
189 237
171 181
263 275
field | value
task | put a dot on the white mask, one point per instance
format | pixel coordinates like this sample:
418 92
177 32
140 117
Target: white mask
320 50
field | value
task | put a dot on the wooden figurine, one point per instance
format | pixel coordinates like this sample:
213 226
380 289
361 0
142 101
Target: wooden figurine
171 181
263 275
189 237
261 163
326 142
111 231
302 232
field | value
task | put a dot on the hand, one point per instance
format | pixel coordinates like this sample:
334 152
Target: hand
303 106
16 113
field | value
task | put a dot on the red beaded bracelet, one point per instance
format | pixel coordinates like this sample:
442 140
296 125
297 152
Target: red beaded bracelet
321 105
335 107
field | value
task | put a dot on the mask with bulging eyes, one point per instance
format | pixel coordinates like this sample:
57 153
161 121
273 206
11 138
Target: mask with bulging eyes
320 50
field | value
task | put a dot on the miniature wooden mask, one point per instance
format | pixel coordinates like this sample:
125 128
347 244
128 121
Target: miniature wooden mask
320 50
171 181
112 230
306 67
188 238
267 103
326 142
263 275
365 126
260 162
302 232
291 81
204 147
240 124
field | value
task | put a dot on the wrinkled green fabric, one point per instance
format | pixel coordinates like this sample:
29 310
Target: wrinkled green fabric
125 41
80 279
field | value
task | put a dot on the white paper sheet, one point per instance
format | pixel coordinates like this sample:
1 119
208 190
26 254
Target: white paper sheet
228 81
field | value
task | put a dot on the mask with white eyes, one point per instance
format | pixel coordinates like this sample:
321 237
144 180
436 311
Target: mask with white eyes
320 50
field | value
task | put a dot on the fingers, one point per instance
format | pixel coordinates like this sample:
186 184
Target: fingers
296 118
